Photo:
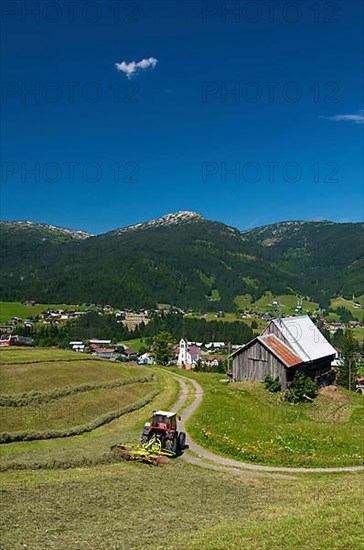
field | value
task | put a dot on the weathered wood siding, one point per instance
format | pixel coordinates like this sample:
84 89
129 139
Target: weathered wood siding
273 329
320 370
255 362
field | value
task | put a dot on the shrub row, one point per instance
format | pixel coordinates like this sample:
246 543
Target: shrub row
36 398
79 430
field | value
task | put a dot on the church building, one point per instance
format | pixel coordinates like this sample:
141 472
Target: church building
188 354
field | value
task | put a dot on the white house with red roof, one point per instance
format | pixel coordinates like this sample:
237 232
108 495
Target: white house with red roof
188 355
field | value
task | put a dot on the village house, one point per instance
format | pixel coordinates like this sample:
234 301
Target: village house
77 345
129 353
286 345
106 353
213 346
145 359
96 342
214 360
188 355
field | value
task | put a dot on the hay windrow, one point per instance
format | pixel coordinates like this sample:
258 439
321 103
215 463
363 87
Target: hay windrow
79 430
36 398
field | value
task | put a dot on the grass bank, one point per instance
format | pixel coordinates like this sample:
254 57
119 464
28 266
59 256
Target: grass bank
248 423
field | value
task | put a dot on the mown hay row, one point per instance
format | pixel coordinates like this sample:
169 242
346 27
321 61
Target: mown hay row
77 461
63 360
36 398
79 430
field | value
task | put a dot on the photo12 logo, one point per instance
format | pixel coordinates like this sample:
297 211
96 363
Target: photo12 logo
31 93
269 12
72 12
69 172
270 172
269 92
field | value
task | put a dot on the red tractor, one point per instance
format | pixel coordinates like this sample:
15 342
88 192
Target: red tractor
163 427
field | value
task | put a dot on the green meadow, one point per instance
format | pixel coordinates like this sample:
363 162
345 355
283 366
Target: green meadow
74 492
8 310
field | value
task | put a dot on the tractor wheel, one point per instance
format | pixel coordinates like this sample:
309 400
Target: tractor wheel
144 439
175 444
168 445
182 441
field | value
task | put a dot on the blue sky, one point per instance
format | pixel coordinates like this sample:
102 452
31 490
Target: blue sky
96 148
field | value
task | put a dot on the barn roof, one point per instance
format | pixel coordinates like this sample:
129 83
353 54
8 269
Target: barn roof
304 342
304 337
280 350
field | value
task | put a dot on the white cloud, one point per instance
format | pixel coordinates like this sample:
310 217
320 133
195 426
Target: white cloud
133 67
358 118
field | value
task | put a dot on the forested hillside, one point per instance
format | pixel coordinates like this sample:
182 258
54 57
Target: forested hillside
180 259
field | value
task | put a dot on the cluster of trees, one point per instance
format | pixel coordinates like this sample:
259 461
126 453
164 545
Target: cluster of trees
347 372
199 330
221 367
94 325
301 388
344 314
88 326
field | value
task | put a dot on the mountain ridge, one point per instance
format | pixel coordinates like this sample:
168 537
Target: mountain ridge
171 218
180 258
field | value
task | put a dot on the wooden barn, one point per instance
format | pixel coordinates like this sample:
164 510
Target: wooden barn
287 344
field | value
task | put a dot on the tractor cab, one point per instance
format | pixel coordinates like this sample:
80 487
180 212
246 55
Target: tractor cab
163 429
163 420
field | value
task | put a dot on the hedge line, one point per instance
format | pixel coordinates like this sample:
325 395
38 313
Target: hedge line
79 430
36 398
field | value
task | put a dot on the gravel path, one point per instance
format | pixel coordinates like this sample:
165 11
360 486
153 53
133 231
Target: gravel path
228 464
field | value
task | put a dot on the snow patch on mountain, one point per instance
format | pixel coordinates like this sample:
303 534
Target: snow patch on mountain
75 234
173 219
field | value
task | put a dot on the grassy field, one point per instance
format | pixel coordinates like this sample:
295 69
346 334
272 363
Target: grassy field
73 410
49 375
359 334
212 316
8 310
178 507
67 397
74 493
245 421
288 303
358 313
27 355
135 343
243 301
